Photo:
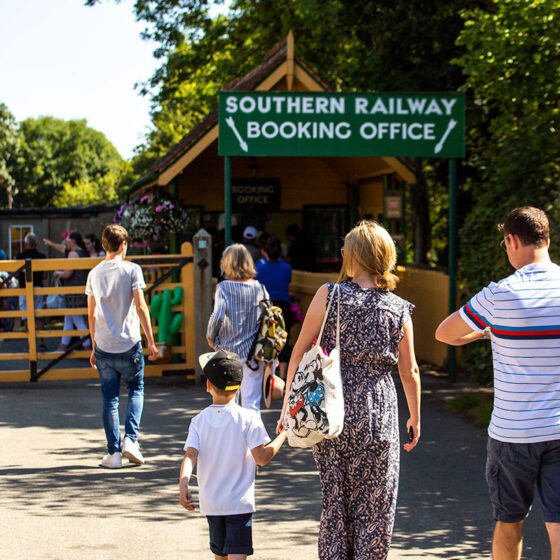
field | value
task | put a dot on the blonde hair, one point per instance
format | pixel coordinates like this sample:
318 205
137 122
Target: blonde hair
370 246
237 263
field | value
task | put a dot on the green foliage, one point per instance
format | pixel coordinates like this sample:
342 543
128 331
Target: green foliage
388 45
10 150
58 157
476 406
512 65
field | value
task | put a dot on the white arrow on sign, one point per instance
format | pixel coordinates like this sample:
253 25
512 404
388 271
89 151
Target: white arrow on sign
450 127
242 142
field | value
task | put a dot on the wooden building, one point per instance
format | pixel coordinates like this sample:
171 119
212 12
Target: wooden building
323 195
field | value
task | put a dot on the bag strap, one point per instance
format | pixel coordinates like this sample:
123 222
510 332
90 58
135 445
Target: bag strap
336 291
251 355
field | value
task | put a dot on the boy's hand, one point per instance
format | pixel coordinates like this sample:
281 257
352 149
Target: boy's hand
154 353
185 497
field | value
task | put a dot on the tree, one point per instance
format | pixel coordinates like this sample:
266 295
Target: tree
512 65
60 159
9 153
381 45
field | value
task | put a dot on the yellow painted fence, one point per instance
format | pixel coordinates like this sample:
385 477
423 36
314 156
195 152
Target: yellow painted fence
155 267
428 290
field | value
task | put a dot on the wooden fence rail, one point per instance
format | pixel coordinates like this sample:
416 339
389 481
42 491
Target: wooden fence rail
157 271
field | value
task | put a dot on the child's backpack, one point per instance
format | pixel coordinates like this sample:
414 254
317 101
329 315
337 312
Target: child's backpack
271 336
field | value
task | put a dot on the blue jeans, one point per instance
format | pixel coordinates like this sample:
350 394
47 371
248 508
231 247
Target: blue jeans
111 367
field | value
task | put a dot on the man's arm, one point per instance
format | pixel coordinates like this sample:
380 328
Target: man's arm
264 453
144 315
455 332
91 321
189 461
56 246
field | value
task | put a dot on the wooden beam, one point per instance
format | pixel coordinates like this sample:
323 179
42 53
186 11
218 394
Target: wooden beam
310 83
290 53
400 169
190 155
272 79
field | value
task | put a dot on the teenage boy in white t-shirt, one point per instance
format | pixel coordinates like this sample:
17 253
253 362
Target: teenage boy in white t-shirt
116 309
228 442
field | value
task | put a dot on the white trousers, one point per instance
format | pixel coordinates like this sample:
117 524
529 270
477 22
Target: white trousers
251 387
71 322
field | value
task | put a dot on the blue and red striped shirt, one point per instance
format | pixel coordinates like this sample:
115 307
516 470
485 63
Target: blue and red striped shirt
523 313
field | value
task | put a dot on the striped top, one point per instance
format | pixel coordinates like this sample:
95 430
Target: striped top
523 313
235 319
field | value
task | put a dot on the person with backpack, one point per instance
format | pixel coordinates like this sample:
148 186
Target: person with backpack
236 318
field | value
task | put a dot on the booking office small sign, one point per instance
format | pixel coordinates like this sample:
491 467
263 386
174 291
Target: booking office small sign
342 124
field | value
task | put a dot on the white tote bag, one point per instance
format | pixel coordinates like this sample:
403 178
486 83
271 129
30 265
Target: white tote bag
316 401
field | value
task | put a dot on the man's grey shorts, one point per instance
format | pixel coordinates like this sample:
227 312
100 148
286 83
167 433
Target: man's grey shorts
513 470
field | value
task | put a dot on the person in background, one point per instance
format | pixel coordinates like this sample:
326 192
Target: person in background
250 242
93 245
31 252
234 322
59 247
261 242
3 256
359 469
302 254
8 303
276 274
74 246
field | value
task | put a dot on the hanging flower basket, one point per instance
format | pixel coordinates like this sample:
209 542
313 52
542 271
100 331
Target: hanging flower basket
151 221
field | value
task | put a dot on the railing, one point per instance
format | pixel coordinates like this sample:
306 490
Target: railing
426 289
160 273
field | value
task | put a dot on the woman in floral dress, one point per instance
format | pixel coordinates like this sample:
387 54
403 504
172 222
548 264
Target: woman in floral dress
359 470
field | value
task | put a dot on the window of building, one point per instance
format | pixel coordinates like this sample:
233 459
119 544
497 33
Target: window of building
17 236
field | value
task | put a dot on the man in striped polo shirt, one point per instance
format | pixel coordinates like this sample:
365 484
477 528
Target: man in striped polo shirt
521 315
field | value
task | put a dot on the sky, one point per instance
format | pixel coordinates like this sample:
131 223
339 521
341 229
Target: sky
62 59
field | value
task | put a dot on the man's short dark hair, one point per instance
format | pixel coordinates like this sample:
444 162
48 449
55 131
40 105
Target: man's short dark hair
112 237
529 224
273 248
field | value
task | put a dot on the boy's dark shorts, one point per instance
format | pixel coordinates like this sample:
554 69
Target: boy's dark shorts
231 534
513 470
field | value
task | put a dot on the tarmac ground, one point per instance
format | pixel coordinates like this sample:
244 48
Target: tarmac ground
57 503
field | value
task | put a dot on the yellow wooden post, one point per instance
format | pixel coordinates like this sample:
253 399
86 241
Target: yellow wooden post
31 336
187 279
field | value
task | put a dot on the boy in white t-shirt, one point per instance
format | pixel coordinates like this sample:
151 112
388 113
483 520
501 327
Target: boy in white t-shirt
228 442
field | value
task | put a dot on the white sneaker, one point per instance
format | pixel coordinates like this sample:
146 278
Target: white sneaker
112 460
131 451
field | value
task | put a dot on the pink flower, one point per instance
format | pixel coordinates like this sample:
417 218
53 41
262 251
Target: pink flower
171 206
145 198
160 208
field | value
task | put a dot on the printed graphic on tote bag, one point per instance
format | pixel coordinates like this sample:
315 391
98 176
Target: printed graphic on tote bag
307 395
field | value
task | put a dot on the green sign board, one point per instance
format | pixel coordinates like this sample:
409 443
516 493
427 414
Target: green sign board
255 195
342 124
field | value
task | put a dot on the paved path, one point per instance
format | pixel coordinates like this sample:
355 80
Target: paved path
56 503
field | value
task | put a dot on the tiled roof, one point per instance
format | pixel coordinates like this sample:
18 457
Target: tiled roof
273 58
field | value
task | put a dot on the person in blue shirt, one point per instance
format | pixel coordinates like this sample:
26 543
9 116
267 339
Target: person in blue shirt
276 274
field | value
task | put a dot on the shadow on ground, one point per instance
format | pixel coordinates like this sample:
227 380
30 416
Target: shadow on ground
443 509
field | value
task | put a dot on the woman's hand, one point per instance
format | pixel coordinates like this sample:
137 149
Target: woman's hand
415 425
280 423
